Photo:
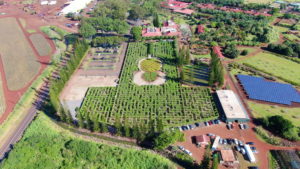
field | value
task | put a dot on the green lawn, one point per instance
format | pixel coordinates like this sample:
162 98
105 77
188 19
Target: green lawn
46 145
275 65
263 110
201 56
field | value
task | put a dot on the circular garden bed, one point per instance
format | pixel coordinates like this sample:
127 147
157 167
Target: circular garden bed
150 65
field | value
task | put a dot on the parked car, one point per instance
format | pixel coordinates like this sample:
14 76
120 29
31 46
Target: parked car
253 148
187 152
241 143
243 151
246 126
242 126
224 141
179 128
221 141
250 143
255 151
206 123
253 167
236 141
184 128
192 126
229 140
181 148
211 135
197 124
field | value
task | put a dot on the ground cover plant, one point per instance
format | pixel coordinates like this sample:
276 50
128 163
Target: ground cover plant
280 67
138 105
150 65
150 76
46 145
40 44
19 61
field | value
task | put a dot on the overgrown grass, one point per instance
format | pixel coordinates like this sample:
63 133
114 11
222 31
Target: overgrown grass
264 110
46 145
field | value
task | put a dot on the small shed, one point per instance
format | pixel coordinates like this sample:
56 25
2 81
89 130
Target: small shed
202 140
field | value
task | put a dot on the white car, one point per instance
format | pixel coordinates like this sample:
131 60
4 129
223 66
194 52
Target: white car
243 151
236 141
187 152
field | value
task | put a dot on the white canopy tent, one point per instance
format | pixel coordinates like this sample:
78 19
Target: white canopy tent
75 6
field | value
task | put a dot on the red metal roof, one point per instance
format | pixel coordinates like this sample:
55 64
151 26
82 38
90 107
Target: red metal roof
184 11
202 139
147 33
200 29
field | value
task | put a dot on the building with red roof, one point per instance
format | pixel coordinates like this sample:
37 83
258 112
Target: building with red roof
173 4
206 6
200 29
151 32
184 11
202 140
217 50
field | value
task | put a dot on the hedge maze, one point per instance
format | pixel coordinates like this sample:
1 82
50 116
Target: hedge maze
137 105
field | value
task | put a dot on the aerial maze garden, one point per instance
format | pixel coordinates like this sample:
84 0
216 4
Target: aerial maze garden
170 103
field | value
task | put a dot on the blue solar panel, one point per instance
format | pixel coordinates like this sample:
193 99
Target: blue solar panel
258 88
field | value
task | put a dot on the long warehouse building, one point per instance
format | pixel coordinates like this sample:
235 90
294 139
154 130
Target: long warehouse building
232 106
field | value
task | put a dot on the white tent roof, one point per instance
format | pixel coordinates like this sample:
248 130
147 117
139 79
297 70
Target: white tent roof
75 6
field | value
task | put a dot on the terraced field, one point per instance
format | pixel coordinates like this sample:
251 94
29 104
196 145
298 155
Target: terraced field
137 105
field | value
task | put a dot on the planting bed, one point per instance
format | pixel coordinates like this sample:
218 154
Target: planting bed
173 104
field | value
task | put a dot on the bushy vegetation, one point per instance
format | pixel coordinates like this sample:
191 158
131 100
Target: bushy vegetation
150 76
288 48
265 136
167 138
282 127
231 51
134 105
45 145
107 41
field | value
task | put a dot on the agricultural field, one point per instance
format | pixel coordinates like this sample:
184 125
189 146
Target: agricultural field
275 65
19 61
41 45
263 110
47 145
137 105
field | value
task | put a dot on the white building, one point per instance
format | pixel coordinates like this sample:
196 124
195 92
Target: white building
215 144
75 6
44 2
52 2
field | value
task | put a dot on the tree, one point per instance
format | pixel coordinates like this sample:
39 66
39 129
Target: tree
150 49
244 52
167 138
118 126
156 21
96 125
231 51
136 32
87 30
136 12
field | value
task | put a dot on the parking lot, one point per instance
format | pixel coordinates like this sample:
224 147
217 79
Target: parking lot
245 135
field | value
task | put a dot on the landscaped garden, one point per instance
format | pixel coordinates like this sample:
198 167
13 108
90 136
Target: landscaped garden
47 145
150 65
138 105
280 67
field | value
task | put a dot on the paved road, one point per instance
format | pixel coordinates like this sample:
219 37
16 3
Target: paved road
18 132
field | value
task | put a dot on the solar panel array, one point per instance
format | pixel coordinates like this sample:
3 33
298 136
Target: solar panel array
258 88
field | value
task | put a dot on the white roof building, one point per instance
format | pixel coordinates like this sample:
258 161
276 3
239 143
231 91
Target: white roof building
44 2
232 106
215 144
75 6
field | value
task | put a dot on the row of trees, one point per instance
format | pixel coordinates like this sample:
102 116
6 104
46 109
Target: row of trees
216 76
57 85
107 41
184 56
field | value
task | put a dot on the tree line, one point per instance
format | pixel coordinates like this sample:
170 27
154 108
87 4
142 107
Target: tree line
216 76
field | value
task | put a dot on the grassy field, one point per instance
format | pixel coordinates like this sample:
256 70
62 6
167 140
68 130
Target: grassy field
41 44
18 58
263 110
196 74
46 145
275 65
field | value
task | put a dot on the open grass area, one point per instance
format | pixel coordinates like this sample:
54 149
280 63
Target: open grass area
40 43
201 56
264 110
46 145
275 65
171 103
196 74
19 61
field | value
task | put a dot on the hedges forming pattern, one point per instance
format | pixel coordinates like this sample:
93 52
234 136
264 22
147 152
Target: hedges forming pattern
173 104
